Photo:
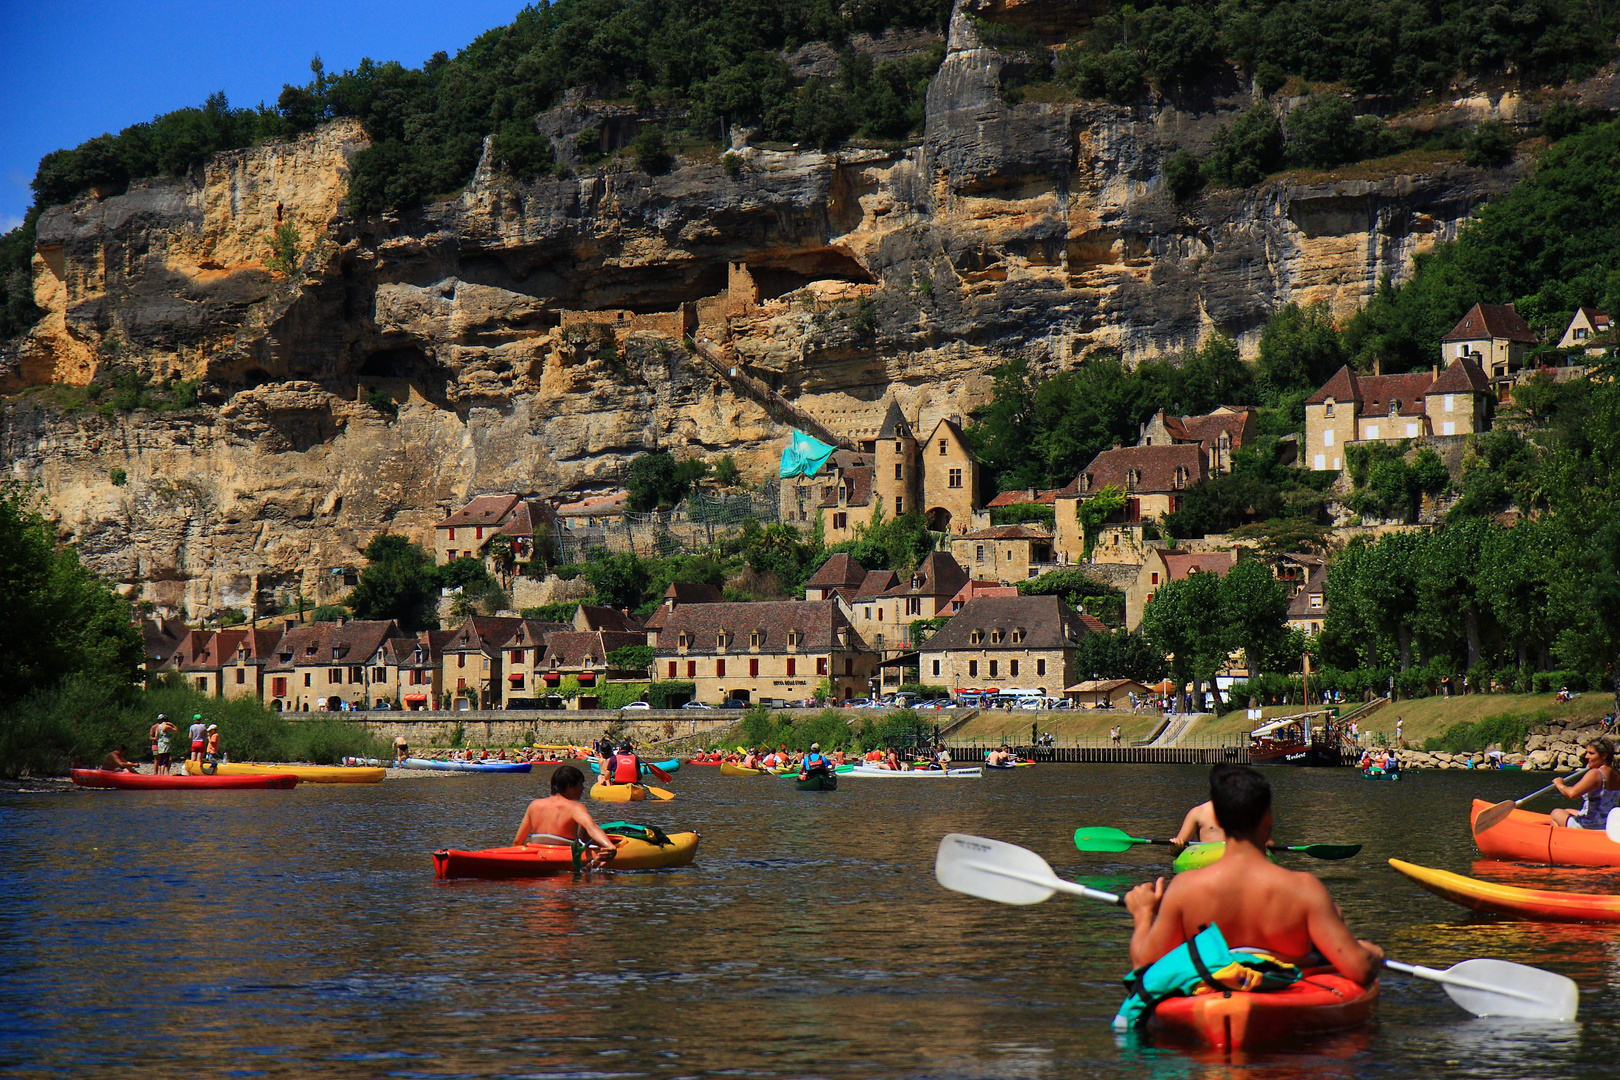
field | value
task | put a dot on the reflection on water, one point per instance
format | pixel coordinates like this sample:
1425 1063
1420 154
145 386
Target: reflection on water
288 932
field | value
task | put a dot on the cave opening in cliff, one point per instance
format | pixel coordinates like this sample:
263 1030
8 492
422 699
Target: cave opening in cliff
777 277
253 378
403 363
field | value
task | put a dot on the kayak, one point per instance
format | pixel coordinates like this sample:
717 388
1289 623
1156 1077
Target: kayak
128 781
618 792
309 774
467 766
1536 905
822 781
972 773
538 860
1379 774
1200 855
728 769
672 765
1322 1001
1534 838
1010 765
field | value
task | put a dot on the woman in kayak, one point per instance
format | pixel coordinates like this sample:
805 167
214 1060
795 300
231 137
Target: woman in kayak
1598 790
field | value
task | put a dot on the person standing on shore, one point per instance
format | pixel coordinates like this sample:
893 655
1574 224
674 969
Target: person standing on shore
401 751
199 737
162 753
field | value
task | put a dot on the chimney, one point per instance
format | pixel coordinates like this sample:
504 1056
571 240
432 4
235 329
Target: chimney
1435 370
1378 365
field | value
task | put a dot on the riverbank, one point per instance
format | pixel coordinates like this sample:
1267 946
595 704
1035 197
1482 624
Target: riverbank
995 726
1423 718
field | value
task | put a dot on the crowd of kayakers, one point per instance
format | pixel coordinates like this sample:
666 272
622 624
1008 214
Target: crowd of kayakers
923 757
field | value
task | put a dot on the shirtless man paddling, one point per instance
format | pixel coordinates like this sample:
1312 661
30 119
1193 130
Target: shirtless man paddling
563 815
1255 902
1199 826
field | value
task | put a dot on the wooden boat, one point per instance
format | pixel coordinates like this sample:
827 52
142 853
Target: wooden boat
1294 740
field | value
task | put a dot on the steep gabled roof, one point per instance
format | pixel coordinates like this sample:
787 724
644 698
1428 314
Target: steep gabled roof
1341 387
1377 391
1155 468
484 510
592 617
1047 623
817 622
859 482
875 582
483 633
1180 564
894 423
1462 376
940 575
1491 321
839 571
569 648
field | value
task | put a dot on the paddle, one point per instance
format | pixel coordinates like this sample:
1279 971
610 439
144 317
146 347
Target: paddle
1008 874
660 773
1495 815
1103 840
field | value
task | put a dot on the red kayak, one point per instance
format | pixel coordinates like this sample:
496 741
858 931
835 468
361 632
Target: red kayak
1322 1001
128 781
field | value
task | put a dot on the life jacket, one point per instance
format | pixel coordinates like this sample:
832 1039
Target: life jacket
814 761
626 768
1203 965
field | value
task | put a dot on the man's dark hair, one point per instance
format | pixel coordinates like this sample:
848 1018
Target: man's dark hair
566 777
1241 798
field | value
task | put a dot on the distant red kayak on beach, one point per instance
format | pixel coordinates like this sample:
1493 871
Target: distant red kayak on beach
128 781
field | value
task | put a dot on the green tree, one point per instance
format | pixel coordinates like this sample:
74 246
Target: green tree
1183 175
1300 348
1094 513
726 471
1119 655
282 255
398 583
1255 606
631 658
1185 622
619 581
1245 151
652 151
1489 145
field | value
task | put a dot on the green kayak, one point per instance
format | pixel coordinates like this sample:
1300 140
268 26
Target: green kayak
1200 855
821 781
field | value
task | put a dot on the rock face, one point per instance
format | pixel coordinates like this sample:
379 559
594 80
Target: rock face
530 336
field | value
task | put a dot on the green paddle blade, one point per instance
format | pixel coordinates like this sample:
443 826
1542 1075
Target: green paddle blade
1327 851
1104 840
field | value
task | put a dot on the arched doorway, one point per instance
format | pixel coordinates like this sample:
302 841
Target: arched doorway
939 519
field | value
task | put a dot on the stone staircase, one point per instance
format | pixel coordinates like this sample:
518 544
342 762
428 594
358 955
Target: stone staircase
779 408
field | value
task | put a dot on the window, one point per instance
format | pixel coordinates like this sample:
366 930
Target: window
792 667
1017 636
1372 431
899 448
202 683
1449 398
516 681
334 675
849 665
1394 407
840 521
868 612
1155 580
1012 669
417 676
379 674
357 675
1040 667
452 535
306 678
590 662
996 635
1319 462
1327 437
899 505
936 667
241 676
1316 601
993 665
461 659
720 640
720 669
517 656
821 665
684 643
278 687
793 638
1411 431
978 553
880 614
691 669
975 637
753 668
942 448
899 471
753 640
1448 428
955 479
913 605
478 533
973 669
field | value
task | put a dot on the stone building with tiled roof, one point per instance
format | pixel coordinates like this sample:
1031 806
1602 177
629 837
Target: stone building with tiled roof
581 654
1162 566
1307 610
840 571
466 533
1590 330
324 666
887 603
679 593
1007 553
1219 433
472 661
772 650
1152 479
1011 642
1494 336
1352 408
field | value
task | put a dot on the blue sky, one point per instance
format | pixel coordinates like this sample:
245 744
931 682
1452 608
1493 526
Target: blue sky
70 71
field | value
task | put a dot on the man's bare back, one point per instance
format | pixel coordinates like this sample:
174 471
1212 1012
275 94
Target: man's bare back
563 815
1200 825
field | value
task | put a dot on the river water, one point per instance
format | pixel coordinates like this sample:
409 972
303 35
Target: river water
281 933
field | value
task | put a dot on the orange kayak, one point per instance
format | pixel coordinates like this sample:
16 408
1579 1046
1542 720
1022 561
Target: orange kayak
1538 905
1322 1001
1531 837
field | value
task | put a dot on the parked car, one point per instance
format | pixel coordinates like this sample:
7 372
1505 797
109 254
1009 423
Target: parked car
635 705
696 705
734 703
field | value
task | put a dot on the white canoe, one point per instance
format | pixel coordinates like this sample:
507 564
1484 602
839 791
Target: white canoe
918 774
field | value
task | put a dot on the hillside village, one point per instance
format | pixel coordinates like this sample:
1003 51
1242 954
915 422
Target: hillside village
955 624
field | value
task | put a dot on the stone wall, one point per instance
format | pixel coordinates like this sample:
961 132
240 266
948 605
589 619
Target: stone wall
507 729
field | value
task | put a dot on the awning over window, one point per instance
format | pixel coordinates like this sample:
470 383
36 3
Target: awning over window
552 678
587 678
516 676
415 697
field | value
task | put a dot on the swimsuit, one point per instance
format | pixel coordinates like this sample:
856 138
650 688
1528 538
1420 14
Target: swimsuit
1595 807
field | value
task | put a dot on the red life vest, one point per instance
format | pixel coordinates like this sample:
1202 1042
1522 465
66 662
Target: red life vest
626 769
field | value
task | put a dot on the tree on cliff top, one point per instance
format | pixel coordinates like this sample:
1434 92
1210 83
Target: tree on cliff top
399 583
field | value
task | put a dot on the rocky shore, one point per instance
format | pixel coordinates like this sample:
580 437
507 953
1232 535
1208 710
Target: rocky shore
1547 747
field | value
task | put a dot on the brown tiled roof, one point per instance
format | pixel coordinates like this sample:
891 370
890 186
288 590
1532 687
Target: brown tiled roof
1009 532
594 617
526 516
482 633
570 647
1599 319
1491 321
1300 606
1047 622
1206 430
975 589
353 642
1024 497
533 633
595 506
1462 376
193 650
1179 564
484 510
223 646
859 482
1101 686
839 570
1155 467
689 592
1372 393
1341 387
1094 624
940 575
162 637
877 581
816 621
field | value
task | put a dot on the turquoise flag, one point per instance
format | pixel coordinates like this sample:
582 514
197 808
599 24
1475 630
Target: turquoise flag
804 456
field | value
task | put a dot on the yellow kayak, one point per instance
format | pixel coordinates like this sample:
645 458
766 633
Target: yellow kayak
728 769
308 774
619 792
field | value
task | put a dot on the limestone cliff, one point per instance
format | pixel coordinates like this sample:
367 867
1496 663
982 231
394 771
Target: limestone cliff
530 335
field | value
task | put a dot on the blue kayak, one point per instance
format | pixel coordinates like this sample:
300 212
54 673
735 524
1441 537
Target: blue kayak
672 765
468 766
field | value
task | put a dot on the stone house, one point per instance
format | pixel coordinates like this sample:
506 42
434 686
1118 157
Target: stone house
1493 336
472 662
682 593
1163 566
584 655
242 668
593 617
464 533
1218 434
764 651
324 666
1307 608
1026 642
160 638
1005 552
593 512
839 574
198 658
1152 478
1589 330
410 673
886 605
1352 408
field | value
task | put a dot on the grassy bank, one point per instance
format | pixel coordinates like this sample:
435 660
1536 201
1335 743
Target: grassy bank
1012 726
49 732
1430 717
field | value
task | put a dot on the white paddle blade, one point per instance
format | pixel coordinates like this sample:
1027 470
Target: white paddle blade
1504 989
992 870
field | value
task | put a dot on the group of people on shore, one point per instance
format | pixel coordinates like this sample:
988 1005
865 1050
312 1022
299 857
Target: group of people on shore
205 748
